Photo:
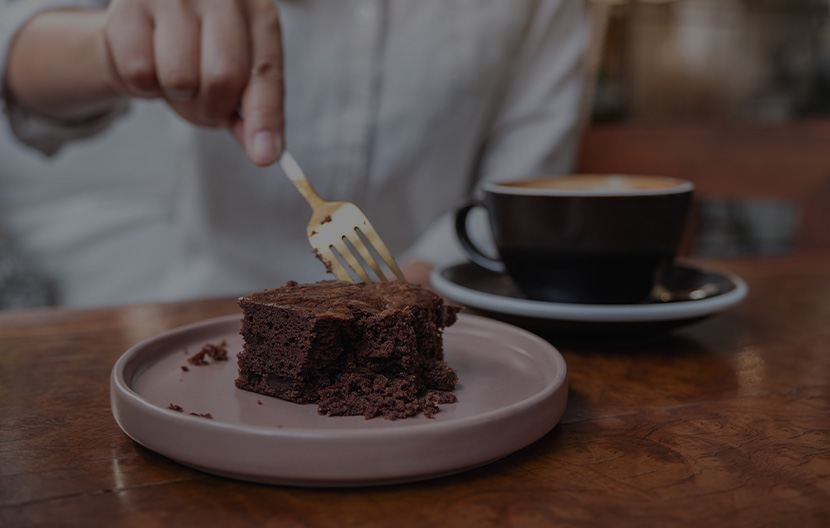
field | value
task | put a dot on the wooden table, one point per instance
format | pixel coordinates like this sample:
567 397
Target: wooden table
723 423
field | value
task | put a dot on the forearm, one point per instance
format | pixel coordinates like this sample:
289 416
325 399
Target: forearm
57 65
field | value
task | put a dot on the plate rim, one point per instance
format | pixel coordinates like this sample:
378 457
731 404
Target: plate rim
595 313
125 400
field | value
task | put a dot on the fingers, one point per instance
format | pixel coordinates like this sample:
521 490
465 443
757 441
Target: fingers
217 63
129 39
262 128
176 49
225 62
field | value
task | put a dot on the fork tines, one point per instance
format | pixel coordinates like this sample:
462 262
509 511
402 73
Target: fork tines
357 252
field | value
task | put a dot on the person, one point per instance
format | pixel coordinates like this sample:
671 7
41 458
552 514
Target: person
401 107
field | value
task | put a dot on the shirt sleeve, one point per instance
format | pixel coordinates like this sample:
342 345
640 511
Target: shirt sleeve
538 120
40 132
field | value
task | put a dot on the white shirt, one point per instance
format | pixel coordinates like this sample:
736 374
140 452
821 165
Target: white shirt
400 106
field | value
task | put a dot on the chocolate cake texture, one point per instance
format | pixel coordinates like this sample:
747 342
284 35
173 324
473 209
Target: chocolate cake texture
354 349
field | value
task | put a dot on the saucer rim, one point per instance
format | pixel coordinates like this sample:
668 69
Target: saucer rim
612 313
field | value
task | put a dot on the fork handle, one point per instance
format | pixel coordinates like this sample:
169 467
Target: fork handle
295 174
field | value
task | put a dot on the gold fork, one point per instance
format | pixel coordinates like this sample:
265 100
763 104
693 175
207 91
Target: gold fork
339 228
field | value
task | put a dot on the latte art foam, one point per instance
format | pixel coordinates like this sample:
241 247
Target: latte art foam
594 184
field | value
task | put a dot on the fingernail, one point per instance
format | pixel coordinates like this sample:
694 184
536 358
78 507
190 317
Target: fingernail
179 95
264 148
279 144
147 94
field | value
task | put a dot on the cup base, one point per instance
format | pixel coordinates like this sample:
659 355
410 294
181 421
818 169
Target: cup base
587 279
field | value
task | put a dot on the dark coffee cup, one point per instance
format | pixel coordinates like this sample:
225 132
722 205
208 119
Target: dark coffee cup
596 239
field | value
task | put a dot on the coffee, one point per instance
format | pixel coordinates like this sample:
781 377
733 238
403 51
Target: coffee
600 183
582 239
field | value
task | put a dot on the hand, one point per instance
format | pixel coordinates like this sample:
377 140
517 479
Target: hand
217 63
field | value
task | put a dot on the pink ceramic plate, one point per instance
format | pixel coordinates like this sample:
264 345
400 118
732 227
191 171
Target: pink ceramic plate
512 390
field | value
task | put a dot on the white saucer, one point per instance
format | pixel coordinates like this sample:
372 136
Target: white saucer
495 294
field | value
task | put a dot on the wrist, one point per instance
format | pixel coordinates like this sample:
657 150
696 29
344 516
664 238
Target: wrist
57 65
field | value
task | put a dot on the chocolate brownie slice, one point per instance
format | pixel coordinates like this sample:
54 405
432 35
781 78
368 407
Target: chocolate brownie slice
356 349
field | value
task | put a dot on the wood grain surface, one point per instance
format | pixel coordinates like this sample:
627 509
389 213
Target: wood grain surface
724 423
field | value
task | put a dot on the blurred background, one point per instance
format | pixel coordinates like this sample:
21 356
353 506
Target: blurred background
732 94
759 61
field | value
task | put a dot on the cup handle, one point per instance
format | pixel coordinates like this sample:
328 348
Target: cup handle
472 251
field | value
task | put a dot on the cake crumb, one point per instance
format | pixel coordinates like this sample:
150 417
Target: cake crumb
325 262
441 397
216 352
373 395
185 369
258 402
180 409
